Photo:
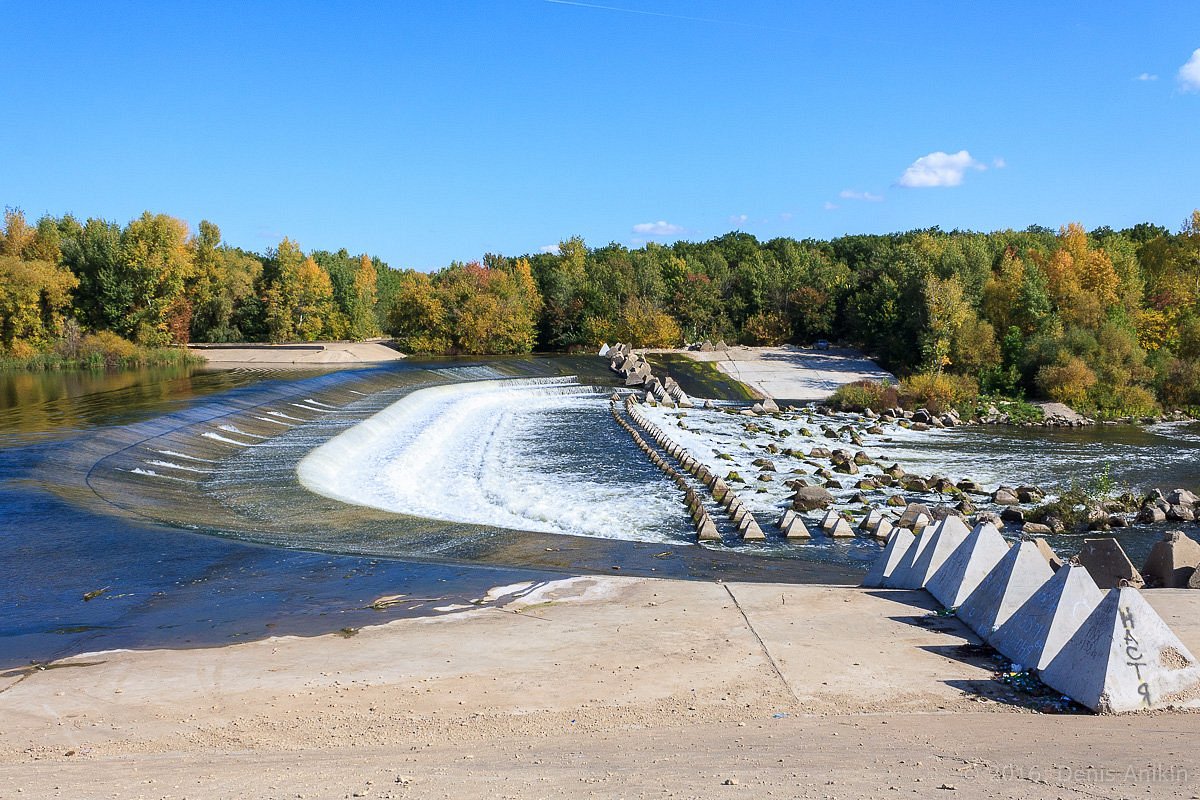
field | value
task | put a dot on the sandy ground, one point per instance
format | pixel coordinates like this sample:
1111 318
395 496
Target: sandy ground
587 687
315 353
793 373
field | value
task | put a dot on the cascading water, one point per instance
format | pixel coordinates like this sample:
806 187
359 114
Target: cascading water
527 454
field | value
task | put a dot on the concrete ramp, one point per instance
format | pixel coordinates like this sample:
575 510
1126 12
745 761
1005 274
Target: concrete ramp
968 565
883 567
1125 658
1038 630
945 538
1013 580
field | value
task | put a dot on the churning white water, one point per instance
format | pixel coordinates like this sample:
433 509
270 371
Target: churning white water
534 454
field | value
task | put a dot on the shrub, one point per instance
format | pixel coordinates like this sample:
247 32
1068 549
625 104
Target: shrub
106 349
938 392
767 328
1067 381
860 395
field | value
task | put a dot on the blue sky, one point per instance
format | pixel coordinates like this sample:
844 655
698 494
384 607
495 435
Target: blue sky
425 132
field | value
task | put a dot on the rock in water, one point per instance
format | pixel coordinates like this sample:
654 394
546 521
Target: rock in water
811 498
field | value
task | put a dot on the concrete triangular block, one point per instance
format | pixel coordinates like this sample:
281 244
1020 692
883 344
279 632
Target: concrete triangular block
883 530
796 529
898 577
884 565
1108 564
751 531
830 519
945 538
1172 561
872 519
1125 658
786 518
841 530
1037 631
1013 580
968 565
707 531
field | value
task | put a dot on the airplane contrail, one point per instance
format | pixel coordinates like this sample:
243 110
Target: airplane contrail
710 20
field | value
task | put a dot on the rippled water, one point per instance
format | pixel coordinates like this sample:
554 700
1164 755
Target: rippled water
149 485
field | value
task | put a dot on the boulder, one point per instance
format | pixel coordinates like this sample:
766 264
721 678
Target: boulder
770 406
1180 513
1035 529
1182 497
897 501
811 498
1108 564
1151 515
1172 561
1005 497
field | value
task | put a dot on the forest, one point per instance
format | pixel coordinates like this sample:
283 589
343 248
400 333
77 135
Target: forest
1107 321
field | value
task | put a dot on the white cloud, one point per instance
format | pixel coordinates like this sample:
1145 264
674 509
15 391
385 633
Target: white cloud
660 228
786 216
1146 76
999 163
549 248
939 169
828 206
1189 73
850 194
738 219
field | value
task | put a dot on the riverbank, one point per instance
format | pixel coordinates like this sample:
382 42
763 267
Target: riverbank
792 373
308 353
594 686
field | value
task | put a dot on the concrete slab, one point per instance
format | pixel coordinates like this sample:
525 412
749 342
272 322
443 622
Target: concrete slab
1013 580
1125 658
1039 629
968 565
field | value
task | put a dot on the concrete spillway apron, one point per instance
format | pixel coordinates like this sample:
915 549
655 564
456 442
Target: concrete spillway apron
1125 658
1013 580
897 546
968 565
1038 630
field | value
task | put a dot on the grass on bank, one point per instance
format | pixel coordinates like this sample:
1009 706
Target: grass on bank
102 350
937 393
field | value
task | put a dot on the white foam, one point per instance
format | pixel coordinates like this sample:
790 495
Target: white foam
218 437
478 453
172 465
174 454
284 416
310 408
239 432
276 421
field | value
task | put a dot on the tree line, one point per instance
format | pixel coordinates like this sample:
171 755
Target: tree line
1105 320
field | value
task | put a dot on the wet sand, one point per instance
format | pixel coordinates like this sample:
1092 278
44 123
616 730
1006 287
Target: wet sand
587 687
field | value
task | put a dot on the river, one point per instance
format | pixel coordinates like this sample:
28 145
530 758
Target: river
200 507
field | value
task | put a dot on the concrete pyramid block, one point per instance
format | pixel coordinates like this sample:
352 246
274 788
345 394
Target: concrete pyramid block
944 539
706 531
840 530
898 577
1172 561
886 563
1125 658
750 529
1013 580
830 520
1037 631
872 519
968 565
796 529
883 530
786 518
1109 565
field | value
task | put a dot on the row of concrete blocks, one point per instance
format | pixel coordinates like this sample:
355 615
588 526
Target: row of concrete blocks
1111 651
637 372
743 520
